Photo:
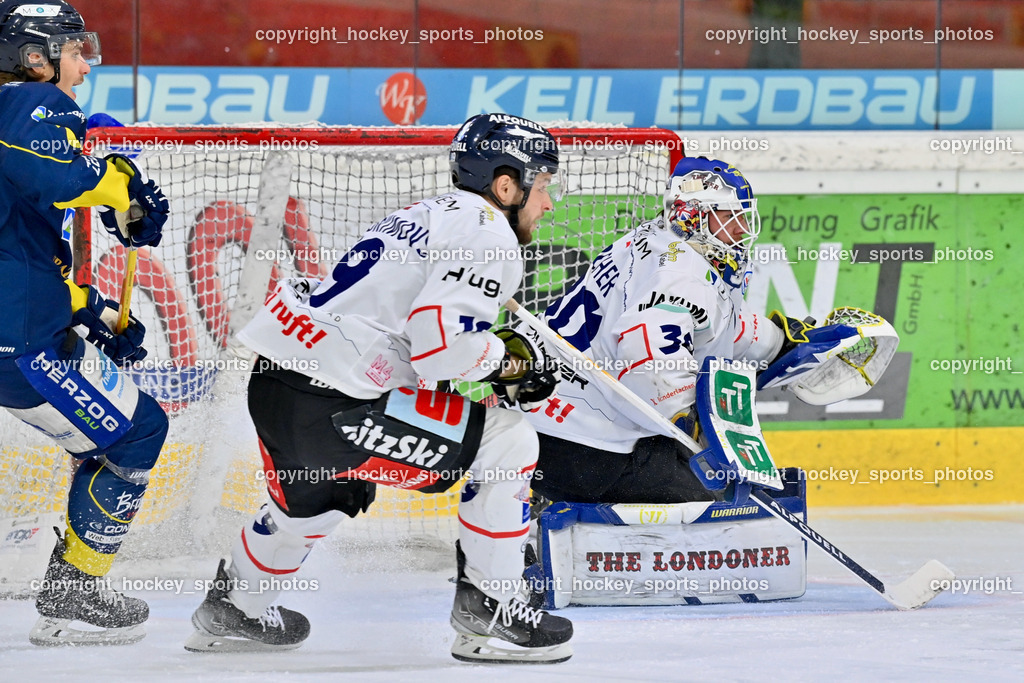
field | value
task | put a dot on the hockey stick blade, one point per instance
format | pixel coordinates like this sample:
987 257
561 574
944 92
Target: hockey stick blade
922 586
916 591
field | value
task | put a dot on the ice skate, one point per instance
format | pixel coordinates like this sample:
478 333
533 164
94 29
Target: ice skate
510 632
68 595
223 627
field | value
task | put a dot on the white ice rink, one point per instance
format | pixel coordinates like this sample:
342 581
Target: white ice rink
384 617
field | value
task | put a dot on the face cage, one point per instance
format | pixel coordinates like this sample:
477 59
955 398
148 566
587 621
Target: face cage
700 231
89 42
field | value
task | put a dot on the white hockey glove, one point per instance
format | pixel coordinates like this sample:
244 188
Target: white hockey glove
711 467
537 375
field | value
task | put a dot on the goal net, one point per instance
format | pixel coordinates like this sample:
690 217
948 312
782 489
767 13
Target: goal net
250 206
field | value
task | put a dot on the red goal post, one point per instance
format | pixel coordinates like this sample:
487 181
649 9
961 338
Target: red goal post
301 196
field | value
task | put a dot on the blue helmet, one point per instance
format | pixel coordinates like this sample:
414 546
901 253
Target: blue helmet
487 142
33 34
700 188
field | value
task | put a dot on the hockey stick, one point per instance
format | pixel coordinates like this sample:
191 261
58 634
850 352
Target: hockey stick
914 592
126 290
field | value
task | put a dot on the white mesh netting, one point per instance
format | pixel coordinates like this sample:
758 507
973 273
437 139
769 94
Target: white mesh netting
209 474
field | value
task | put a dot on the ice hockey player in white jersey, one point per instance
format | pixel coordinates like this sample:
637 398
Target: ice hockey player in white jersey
410 304
651 307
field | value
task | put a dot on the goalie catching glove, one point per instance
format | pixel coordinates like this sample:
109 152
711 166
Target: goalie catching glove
804 347
143 223
840 360
534 375
99 316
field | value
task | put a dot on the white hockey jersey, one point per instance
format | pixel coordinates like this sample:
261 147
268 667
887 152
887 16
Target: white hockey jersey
412 300
648 311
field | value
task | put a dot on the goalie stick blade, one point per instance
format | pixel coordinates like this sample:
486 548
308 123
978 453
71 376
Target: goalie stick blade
918 590
205 642
50 632
488 650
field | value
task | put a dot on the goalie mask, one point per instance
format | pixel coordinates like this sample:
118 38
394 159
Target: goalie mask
487 142
711 206
33 34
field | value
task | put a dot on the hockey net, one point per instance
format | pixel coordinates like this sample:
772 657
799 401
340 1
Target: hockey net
252 205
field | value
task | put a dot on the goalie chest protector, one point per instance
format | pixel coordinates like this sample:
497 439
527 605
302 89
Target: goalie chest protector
672 554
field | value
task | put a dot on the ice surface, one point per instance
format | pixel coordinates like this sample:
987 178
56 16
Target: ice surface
383 616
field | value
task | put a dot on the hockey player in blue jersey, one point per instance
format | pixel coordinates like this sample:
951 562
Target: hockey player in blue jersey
63 385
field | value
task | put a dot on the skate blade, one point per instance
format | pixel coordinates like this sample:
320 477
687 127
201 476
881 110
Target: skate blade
472 648
49 632
205 642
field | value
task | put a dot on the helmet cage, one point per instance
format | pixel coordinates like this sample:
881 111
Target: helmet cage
691 203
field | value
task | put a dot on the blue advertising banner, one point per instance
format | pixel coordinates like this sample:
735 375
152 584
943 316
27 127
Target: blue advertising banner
693 100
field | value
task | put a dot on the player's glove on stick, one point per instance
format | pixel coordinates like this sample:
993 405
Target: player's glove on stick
538 375
143 223
99 316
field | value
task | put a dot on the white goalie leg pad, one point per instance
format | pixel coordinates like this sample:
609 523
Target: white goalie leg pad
494 512
672 554
271 547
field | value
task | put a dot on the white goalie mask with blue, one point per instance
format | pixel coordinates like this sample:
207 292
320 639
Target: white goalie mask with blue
712 207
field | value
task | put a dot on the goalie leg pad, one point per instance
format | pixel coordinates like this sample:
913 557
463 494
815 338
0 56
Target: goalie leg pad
269 549
688 553
494 511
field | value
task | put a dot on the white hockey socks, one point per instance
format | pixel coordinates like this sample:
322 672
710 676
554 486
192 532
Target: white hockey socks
271 547
494 511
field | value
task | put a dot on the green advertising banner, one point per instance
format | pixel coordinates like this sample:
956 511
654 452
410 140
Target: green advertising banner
938 267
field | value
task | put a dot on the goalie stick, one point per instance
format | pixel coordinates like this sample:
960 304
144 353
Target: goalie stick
914 592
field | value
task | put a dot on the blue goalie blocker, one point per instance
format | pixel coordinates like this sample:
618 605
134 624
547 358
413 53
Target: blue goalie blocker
736 455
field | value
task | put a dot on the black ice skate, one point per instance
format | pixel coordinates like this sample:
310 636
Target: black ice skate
509 632
69 594
222 627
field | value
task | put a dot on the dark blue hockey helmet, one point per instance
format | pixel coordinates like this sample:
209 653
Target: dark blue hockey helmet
487 142
32 34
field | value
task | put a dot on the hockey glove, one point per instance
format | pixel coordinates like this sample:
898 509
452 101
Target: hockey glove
144 221
99 316
720 477
538 375
804 349
795 331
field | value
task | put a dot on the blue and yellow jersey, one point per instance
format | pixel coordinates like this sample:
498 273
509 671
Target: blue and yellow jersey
44 177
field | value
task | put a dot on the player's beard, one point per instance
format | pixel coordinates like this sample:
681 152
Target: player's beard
524 233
